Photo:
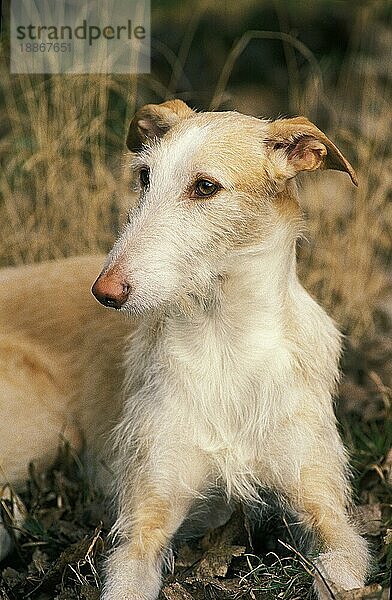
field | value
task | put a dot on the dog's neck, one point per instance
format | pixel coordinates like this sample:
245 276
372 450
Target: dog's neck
262 273
261 276
252 288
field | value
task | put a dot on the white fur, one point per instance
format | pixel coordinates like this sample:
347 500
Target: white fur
230 374
229 365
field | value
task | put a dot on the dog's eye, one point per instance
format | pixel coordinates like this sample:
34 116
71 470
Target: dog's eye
204 188
144 177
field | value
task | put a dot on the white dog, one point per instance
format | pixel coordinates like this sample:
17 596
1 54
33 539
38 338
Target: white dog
229 365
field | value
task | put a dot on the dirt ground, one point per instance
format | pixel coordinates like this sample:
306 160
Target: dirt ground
59 549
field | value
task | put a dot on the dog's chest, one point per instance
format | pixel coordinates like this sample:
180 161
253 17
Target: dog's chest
226 381
211 388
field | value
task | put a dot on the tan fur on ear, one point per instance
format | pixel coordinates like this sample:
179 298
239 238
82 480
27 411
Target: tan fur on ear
153 121
307 148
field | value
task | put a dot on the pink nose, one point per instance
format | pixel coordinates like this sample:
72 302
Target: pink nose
111 289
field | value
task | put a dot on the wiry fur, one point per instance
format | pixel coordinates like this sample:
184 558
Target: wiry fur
230 371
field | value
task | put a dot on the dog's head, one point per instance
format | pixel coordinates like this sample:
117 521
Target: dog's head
210 185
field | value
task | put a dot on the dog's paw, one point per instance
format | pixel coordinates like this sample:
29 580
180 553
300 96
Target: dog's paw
120 592
127 590
130 579
338 572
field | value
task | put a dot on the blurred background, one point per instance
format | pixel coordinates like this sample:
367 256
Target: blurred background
64 187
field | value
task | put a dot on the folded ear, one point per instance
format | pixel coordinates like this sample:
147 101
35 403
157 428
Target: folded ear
153 121
305 147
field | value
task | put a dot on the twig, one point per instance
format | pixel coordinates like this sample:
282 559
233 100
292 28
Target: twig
305 563
239 47
183 52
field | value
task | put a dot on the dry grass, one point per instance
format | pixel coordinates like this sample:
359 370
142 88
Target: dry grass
63 187
63 191
347 262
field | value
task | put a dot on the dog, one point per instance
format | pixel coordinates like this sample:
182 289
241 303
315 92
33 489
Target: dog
221 373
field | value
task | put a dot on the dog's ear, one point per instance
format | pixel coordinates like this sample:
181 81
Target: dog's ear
154 120
305 147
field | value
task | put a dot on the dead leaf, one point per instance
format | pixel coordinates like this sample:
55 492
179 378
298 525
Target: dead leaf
229 587
224 589
12 577
187 556
175 591
370 592
216 561
89 592
222 544
234 532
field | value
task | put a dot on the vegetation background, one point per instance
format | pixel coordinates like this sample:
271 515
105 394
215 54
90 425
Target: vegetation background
64 191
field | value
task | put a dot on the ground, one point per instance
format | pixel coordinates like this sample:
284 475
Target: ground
59 549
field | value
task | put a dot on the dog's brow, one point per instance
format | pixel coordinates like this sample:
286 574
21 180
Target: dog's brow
213 173
140 160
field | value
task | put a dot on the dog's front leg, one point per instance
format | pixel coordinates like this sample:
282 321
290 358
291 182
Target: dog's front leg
153 507
321 494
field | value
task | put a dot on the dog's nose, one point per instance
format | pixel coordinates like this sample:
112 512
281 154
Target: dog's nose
111 290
